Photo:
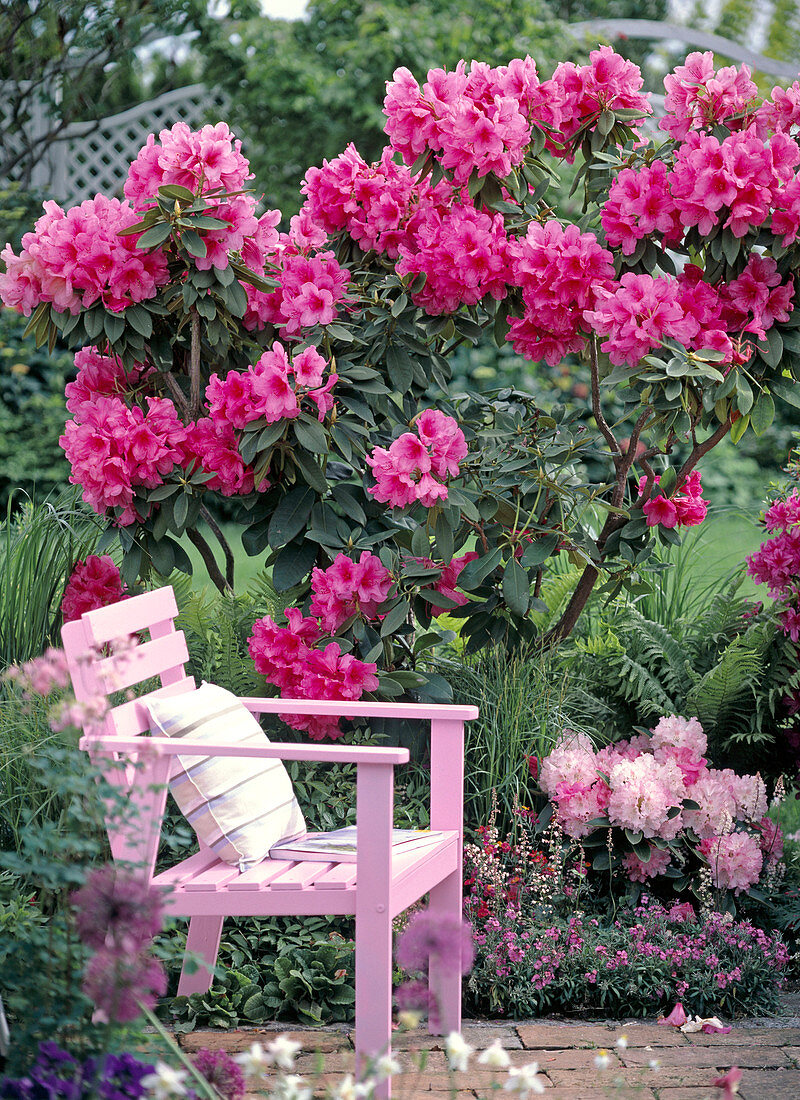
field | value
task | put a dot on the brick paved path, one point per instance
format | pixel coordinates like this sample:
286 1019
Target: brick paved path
659 1063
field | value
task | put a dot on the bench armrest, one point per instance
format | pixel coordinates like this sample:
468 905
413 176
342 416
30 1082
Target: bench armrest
275 750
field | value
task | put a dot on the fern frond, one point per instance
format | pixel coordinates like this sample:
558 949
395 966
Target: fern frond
639 686
659 650
727 692
266 600
556 590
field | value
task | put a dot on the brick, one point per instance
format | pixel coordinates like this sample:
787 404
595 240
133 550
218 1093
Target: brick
638 1076
689 1094
238 1040
623 1093
748 1036
750 1057
570 1059
564 1036
793 1053
653 1035
770 1085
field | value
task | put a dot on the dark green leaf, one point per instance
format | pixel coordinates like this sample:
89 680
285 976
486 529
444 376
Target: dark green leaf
155 235
311 435
291 515
516 589
395 618
293 564
475 571
540 549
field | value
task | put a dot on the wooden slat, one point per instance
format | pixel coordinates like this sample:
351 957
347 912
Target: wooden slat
215 877
259 876
130 719
186 869
130 616
339 877
144 661
359 709
299 876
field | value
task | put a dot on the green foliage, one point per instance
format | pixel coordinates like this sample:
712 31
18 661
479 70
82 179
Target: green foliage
717 661
56 844
271 969
523 701
38 548
32 384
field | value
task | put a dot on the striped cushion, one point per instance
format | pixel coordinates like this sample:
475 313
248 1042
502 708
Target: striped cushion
241 806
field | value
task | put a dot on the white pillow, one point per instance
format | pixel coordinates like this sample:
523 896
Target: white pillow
240 806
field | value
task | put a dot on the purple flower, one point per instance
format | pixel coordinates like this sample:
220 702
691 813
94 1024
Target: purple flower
220 1070
445 941
411 995
56 1075
121 982
119 904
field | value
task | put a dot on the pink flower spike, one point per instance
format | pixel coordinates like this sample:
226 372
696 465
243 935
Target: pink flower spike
729 1082
676 1018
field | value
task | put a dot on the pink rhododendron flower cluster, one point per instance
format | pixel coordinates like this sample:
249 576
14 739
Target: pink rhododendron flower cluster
735 860
639 205
757 298
214 448
559 272
207 162
777 561
94 582
99 375
697 96
114 449
312 290
642 784
271 389
379 205
781 112
463 254
637 315
415 466
576 93
286 656
446 583
75 258
685 508
742 175
472 122
348 588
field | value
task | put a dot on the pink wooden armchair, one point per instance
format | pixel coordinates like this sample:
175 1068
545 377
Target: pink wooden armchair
378 886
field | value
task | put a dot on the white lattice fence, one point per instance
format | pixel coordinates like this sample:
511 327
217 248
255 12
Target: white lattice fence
91 157
94 157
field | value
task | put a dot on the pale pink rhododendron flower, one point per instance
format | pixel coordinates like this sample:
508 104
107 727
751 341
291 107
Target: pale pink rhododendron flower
735 860
638 871
94 582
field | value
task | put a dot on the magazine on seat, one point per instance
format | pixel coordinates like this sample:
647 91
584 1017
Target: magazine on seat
339 845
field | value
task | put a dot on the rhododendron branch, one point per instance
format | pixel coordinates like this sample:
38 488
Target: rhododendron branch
209 560
225 545
178 395
703 448
194 367
602 424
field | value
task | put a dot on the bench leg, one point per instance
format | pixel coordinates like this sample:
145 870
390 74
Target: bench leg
203 941
444 985
374 992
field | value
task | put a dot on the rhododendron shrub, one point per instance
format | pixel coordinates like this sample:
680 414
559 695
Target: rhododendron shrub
302 372
656 810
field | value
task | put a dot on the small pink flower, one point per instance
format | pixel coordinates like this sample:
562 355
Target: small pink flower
729 1083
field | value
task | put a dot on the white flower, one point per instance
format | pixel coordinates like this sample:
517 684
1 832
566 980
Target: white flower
386 1066
282 1051
654 1064
349 1089
409 1020
165 1082
292 1087
457 1051
622 1042
524 1079
494 1056
254 1062
602 1059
